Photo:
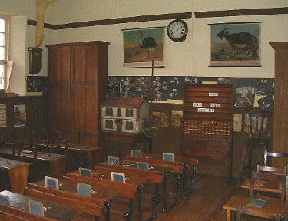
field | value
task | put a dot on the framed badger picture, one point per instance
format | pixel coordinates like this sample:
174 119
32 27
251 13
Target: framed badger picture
235 44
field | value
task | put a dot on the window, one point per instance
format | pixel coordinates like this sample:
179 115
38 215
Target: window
4 37
119 112
109 111
109 124
129 125
129 112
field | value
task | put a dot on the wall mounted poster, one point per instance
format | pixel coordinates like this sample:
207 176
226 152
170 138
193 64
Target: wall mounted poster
141 46
235 44
3 115
19 115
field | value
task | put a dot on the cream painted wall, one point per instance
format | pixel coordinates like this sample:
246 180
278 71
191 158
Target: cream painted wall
190 58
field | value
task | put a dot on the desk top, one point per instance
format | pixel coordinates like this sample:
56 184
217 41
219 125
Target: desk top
51 210
273 208
8 164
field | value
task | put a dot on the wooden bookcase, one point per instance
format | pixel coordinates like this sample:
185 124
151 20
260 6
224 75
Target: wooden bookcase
208 124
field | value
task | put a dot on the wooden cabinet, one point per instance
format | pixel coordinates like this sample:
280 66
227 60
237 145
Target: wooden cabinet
78 80
280 118
208 123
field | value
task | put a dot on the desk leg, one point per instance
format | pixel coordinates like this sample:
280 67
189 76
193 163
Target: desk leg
106 211
164 207
139 202
176 189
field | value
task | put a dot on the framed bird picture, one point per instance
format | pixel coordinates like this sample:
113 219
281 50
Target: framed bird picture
143 45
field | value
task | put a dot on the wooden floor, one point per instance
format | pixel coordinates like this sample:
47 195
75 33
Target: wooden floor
205 204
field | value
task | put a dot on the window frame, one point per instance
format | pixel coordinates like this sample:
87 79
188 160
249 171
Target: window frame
7 48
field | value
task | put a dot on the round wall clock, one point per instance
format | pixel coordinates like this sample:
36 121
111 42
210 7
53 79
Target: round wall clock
177 30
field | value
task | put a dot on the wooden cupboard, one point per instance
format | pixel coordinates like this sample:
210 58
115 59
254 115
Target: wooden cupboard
280 118
78 80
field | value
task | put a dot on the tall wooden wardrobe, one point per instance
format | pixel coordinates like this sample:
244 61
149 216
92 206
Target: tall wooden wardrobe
280 117
78 80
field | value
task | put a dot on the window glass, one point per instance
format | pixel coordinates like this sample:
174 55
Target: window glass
2 71
131 113
2 39
2 53
2 25
119 112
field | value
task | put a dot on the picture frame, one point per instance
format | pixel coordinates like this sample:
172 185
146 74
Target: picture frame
5 200
36 208
51 183
142 166
151 46
136 153
168 157
85 172
113 161
235 44
118 177
84 189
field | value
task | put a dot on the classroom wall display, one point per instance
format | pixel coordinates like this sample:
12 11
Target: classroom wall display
168 88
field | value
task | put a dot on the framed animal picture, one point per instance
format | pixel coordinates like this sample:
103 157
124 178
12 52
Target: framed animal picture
168 157
235 44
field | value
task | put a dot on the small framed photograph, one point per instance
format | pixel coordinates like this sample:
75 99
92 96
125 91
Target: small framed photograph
118 177
168 157
85 172
142 166
136 153
5 200
84 189
51 183
113 161
36 208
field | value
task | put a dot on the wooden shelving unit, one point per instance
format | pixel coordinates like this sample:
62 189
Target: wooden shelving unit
207 130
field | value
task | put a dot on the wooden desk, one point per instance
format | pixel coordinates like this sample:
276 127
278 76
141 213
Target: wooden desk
78 156
69 185
20 209
17 172
273 208
130 140
132 189
182 167
44 164
98 207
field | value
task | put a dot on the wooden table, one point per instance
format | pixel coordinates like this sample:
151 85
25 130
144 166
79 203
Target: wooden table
20 209
17 172
273 208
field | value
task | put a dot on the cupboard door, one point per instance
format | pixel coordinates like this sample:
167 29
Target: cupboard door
60 88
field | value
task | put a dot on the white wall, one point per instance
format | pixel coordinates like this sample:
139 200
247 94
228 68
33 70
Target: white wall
190 58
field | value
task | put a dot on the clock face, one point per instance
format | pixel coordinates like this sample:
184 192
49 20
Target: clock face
177 30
